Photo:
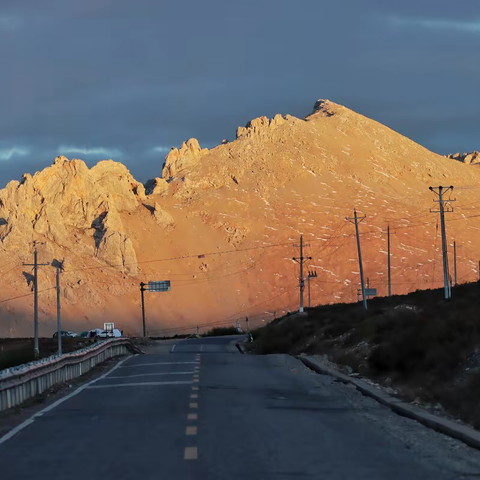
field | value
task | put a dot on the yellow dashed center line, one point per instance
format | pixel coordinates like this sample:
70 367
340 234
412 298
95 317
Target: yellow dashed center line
191 453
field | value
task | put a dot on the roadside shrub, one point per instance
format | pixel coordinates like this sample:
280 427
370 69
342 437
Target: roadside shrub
220 331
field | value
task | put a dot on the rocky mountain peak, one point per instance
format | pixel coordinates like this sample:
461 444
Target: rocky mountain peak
280 178
187 155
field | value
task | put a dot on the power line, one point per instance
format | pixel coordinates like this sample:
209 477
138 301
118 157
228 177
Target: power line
26 295
229 319
183 257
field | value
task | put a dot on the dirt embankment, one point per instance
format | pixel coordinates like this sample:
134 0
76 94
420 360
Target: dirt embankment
425 347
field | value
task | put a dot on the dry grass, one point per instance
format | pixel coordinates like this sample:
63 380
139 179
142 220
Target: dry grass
17 351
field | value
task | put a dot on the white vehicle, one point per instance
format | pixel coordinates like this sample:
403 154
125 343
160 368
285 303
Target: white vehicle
115 333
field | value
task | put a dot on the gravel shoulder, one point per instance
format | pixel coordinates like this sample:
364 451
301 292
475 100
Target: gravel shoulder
447 453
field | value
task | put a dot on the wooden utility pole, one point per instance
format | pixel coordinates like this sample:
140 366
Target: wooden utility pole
444 208
311 274
389 265
301 261
455 262
35 265
142 291
59 322
356 220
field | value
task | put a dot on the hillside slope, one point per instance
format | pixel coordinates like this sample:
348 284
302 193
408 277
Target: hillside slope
280 178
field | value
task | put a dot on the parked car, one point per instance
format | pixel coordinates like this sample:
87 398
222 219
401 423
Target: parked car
110 334
65 334
94 333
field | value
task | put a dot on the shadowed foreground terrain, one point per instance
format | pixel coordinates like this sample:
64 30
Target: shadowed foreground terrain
422 345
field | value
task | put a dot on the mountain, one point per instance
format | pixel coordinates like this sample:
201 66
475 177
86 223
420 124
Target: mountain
221 224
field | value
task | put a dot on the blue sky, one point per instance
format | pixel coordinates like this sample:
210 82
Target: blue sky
127 80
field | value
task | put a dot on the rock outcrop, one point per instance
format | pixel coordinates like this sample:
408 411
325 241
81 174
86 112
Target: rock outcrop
156 186
67 200
261 125
177 160
162 217
468 158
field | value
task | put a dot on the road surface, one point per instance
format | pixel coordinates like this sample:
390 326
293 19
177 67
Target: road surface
198 409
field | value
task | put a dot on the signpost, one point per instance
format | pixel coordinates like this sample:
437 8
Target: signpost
161 286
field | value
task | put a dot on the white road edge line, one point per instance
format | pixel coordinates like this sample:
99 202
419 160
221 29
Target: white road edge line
141 384
173 348
158 363
149 374
28 422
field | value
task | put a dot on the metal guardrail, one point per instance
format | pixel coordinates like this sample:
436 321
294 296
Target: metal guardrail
20 383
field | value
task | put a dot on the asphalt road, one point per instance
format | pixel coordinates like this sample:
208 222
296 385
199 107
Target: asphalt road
198 409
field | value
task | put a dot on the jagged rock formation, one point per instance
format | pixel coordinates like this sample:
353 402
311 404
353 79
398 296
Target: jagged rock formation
162 217
156 186
68 196
244 203
177 160
260 126
468 158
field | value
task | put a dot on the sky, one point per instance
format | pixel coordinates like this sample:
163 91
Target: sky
127 80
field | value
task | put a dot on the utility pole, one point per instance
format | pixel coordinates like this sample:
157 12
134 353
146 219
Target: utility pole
389 265
444 208
301 260
59 322
455 261
311 274
142 290
309 296
35 266
246 322
357 220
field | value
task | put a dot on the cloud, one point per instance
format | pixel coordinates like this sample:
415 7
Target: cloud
98 151
161 149
466 26
8 153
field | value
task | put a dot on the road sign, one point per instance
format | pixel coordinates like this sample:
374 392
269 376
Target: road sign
108 327
162 286
370 292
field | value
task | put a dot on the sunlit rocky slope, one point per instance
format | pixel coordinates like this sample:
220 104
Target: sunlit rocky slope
221 224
